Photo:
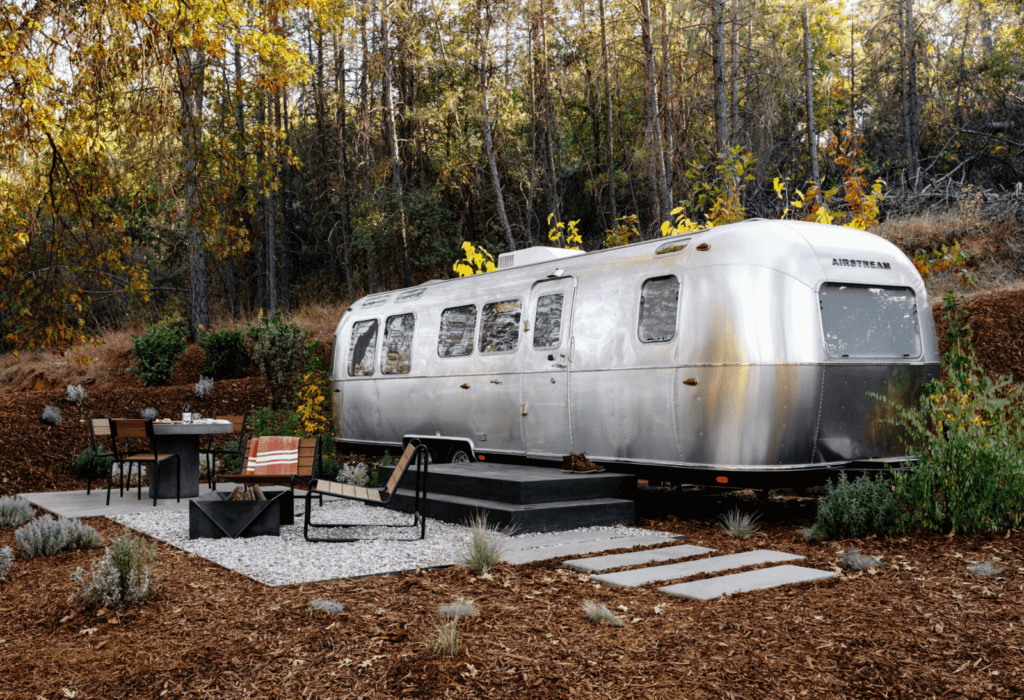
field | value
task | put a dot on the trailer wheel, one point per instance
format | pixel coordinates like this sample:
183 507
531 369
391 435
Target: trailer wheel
458 455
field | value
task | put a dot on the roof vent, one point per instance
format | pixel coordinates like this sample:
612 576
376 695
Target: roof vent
531 256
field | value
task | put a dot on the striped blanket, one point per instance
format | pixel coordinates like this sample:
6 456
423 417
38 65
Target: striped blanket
273 455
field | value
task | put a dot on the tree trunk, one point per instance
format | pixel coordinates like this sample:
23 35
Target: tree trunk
287 194
485 35
533 128
364 137
913 108
396 159
668 122
548 152
341 118
608 117
663 207
812 134
718 65
191 64
265 211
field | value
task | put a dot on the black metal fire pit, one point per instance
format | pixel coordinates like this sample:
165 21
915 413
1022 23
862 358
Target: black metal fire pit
211 515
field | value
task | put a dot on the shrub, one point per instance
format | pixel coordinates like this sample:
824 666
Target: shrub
156 353
854 560
326 606
232 463
460 607
445 641
123 576
966 431
226 355
88 468
204 388
353 474
45 536
280 351
270 421
856 509
486 545
76 394
6 560
51 415
14 510
599 614
737 524
148 413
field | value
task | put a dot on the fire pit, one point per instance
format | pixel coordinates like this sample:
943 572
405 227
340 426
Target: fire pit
212 515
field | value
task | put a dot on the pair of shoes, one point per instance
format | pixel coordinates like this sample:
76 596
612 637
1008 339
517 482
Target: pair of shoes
579 464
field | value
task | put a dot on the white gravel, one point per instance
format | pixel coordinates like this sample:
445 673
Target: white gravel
290 559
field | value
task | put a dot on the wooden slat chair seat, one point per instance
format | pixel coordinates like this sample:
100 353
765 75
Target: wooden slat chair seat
238 424
99 428
140 429
304 471
414 453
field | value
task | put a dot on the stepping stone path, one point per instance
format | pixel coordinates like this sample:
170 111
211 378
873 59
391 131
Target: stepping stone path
615 561
531 549
705 589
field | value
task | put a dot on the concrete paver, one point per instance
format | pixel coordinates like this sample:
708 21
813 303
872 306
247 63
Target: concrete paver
525 556
639 577
614 561
710 588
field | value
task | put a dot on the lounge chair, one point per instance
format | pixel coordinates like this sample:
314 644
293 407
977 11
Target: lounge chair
414 452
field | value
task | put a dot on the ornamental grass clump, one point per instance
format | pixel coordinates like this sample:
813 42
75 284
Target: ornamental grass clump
76 394
445 641
738 524
855 561
123 576
14 511
486 545
6 561
460 607
856 509
45 536
599 614
51 415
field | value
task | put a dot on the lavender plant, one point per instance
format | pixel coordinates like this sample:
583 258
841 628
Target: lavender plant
45 536
122 577
51 415
324 605
599 614
76 394
204 388
6 560
14 510
148 414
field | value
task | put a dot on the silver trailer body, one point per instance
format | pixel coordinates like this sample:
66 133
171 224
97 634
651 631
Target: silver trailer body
743 349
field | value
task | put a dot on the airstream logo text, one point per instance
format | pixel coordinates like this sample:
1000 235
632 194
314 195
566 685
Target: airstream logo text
876 265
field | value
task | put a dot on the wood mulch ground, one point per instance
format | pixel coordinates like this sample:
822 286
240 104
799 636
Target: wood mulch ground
919 627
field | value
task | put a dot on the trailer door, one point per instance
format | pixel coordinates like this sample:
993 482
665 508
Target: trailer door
546 356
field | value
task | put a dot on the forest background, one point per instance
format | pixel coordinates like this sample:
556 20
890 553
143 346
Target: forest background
161 156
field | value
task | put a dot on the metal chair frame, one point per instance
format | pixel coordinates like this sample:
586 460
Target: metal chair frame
243 440
138 428
421 456
101 427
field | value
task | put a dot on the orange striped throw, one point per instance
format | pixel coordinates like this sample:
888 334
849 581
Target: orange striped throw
273 455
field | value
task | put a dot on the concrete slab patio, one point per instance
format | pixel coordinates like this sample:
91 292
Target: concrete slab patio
614 561
598 542
79 504
759 579
639 577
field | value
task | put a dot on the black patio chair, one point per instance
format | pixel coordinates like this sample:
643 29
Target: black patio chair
139 429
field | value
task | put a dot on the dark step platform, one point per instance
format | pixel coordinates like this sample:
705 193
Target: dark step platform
533 499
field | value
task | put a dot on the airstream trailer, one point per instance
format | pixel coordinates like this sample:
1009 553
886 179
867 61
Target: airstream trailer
739 355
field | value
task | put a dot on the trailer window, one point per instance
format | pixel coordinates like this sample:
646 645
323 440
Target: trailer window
396 357
458 325
869 322
499 326
659 302
361 347
548 333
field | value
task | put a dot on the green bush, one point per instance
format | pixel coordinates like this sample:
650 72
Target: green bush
967 432
156 354
856 509
274 421
86 468
226 355
281 351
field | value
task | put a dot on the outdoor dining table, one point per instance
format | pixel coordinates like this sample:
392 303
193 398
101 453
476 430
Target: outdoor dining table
182 439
